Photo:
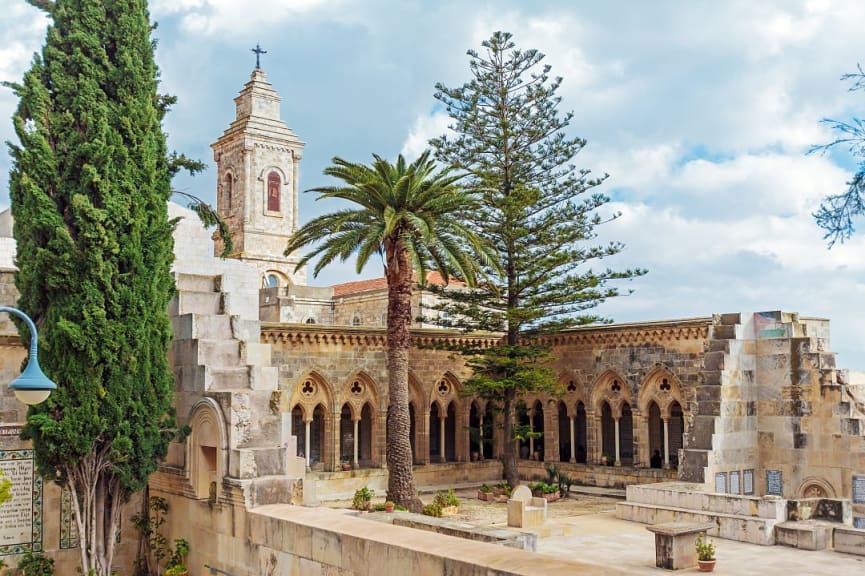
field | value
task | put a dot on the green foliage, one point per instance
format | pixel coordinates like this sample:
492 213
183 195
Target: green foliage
448 498
838 212
400 508
362 498
536 208
705 548
433 509
486 489
36 564
89 190
156 545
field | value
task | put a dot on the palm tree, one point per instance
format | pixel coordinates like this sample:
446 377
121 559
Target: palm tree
408 215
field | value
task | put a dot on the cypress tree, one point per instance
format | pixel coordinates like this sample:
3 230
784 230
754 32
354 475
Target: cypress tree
539 211
89 188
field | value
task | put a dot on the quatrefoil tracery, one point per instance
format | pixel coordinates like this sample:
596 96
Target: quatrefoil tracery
356 388
444 388
308 388
572 387
665 385
616 387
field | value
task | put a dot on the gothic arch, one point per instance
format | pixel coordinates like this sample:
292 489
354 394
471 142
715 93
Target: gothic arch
309 392
446 389
662 387
281 279
612 388
813 487
207 449
359 390
573 392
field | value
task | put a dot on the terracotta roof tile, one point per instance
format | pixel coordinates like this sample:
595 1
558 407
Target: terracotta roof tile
359 286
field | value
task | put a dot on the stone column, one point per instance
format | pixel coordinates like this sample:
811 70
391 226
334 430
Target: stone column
356 428
666 443
443 437
423 447
531 438
616 427
573 441
307 441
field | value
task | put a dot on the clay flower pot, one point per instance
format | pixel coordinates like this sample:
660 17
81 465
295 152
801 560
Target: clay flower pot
706 565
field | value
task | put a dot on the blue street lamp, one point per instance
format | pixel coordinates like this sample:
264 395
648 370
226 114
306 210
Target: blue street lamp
33 386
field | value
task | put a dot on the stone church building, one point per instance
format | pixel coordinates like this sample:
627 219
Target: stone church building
284 387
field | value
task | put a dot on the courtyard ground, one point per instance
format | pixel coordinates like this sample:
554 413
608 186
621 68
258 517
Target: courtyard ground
584 527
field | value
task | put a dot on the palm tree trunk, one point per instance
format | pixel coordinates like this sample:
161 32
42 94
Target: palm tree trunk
400 485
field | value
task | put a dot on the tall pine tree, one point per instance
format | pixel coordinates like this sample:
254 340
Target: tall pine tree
89 189
538 210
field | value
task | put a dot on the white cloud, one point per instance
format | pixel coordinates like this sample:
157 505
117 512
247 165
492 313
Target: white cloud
425 127
214 17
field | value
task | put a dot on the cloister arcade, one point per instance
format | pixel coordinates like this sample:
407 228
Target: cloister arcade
608 421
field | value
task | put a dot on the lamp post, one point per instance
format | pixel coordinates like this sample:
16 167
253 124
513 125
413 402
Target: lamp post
32 386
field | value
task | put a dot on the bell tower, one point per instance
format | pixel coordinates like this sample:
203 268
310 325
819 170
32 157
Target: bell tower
257 160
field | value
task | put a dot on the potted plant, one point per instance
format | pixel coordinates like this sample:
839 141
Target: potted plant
389 506
485 493
362 499
448 502
705 553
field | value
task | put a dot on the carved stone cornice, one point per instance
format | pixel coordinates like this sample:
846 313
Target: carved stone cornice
304 334
632 334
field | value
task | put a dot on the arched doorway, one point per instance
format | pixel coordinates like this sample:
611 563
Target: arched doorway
626 436
564 433
450 424
581 435
310 435
608 435
346 436
536 443
656 436
436 451
524 425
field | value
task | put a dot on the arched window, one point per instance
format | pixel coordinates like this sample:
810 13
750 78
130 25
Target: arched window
273 185
227 189
271 281
310 320
355 321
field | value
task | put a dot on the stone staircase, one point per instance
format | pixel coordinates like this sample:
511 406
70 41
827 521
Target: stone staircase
218 355
725 330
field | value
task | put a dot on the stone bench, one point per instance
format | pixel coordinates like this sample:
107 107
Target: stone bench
805 534
524 510
675 543
849 540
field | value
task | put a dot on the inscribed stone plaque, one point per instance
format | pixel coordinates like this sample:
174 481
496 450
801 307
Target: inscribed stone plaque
721 482
734 482
859 489
774 484
858 522
21 515
747 482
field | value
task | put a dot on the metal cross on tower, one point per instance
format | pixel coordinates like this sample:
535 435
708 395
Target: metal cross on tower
258 52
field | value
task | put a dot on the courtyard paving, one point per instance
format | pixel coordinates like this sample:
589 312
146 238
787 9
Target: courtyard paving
583 527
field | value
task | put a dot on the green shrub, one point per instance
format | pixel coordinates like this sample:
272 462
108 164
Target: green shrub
433 509
35 564
705 549
485 489
362 498
448 498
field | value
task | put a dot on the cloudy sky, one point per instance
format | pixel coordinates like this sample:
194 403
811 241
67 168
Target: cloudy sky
701 112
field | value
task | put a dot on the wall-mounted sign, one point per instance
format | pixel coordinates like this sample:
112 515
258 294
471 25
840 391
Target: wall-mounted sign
734 482
774 483
21 515
748 482
721 482
859 489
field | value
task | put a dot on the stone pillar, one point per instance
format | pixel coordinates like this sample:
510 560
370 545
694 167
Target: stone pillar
666 443
616 428
531 438
423 447
443 436
307 441
573 441
356 428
